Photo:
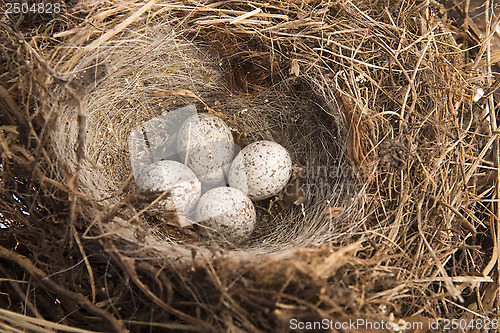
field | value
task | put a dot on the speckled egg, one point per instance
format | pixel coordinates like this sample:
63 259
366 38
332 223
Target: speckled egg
206 146
261 169
184 186
227 213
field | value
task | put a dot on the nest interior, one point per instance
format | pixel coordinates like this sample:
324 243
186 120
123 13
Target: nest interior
375 99
151 70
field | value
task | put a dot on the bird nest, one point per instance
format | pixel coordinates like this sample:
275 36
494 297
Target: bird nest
388 216
146 71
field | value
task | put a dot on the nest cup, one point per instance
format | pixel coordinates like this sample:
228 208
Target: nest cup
147 72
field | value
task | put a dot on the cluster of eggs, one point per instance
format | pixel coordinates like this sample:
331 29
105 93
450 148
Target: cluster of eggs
206 148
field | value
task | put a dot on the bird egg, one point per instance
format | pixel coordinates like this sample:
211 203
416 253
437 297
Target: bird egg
227 213
261 169
184 186
206 145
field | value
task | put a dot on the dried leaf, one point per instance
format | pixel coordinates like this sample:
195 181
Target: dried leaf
332 212
294 68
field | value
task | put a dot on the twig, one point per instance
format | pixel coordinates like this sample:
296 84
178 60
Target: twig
245 16
41 277
120 26
73 179
458 279
27 325
18 318
495 232
168 326
128 267
14 109
411 84
461 218
22 295
455 293
87 263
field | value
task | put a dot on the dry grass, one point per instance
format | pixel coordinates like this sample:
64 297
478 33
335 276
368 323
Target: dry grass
381 92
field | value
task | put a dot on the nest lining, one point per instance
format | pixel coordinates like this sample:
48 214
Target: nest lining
119 82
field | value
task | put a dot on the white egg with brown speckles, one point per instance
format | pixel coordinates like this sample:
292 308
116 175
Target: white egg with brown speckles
184 186
261 169
206 145
226 213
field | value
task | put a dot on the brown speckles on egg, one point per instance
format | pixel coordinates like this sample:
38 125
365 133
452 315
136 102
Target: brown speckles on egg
228 212
185 188
261 170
